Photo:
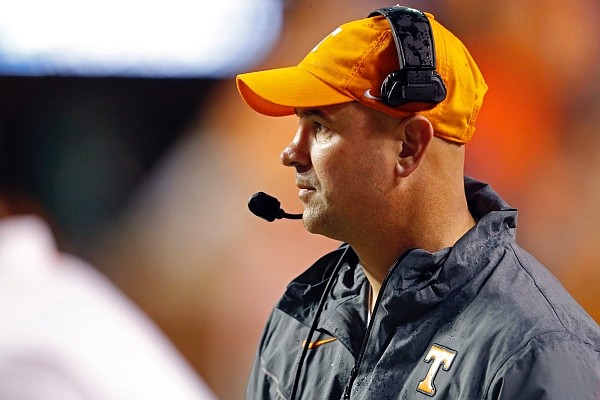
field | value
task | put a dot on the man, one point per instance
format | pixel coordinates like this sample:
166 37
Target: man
429 296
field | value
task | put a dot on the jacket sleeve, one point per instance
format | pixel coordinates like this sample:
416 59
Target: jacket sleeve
553 366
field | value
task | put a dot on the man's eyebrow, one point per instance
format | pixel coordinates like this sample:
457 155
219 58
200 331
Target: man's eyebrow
312 112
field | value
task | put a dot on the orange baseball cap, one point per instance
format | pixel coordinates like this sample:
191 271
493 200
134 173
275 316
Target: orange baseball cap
350 65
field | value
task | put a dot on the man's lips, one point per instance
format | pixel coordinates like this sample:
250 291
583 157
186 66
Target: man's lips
302 185
305 189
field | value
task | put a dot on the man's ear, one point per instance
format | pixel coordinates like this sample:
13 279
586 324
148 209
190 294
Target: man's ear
417 134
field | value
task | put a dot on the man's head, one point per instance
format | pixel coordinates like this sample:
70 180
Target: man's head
365 167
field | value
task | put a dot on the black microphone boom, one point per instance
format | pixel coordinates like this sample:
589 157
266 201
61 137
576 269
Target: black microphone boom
267 207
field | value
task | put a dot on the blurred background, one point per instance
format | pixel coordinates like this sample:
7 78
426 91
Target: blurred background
122 121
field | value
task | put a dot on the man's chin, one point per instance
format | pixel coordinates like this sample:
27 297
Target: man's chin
316 224
311 221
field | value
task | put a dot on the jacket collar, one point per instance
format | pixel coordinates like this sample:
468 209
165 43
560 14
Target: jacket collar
421 279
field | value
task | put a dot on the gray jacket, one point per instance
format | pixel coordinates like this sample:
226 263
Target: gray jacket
480 320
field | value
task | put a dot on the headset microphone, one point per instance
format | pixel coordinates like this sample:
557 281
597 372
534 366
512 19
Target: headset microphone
267 207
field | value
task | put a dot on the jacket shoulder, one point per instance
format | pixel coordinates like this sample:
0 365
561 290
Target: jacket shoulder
552 366
561 308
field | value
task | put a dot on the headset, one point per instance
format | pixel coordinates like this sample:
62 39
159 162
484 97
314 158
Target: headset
417 79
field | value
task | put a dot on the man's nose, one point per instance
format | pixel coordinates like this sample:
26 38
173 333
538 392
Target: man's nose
296 154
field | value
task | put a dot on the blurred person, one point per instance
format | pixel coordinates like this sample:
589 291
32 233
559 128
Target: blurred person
66 332
429 295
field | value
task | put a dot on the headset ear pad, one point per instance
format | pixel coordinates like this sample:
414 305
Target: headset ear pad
403 87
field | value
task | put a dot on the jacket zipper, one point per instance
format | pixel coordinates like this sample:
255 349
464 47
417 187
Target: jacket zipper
366 337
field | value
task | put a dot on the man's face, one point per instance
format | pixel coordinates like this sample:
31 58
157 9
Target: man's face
344 156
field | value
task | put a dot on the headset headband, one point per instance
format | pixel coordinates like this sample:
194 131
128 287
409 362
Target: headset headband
417 80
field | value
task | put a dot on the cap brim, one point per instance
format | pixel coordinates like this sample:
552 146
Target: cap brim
278 92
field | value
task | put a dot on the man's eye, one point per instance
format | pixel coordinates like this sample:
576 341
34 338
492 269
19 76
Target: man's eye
319 127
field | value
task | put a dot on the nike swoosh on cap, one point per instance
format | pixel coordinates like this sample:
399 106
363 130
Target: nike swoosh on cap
370 95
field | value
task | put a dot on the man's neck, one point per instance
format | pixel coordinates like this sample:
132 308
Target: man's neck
377 257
